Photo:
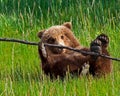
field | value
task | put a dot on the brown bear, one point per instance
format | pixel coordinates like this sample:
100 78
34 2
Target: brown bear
56 62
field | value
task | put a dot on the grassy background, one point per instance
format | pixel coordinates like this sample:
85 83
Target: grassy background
20 71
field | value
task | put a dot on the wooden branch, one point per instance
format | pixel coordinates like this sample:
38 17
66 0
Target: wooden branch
58 46
83 52
18 41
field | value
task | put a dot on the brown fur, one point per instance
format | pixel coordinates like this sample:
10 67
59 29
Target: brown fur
101 66
56 62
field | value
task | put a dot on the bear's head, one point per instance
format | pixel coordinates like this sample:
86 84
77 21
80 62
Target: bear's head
60 35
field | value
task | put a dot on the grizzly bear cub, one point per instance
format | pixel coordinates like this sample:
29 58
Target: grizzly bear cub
56 61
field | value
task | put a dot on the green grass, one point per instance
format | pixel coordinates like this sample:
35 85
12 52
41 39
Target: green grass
20 70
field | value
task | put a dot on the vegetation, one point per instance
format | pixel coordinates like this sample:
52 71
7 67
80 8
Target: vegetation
20 70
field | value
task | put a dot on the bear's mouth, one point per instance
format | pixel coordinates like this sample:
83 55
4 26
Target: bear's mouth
57 50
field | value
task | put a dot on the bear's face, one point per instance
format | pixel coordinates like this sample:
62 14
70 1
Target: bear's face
56 35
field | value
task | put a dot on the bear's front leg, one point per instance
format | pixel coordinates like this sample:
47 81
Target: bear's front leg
100 66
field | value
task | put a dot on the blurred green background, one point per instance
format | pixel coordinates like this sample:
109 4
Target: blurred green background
20 68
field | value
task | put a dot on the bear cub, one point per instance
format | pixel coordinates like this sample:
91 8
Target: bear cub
56 61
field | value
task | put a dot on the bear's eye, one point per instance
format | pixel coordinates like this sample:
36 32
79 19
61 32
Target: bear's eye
62 37
51 40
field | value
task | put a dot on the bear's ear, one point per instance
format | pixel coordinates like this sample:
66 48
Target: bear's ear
40 33
68 25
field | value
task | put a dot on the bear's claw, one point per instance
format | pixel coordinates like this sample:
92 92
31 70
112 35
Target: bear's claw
99 44
96 43
96 46
104 39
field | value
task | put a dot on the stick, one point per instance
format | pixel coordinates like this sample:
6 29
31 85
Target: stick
83 52
59 46
18 41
